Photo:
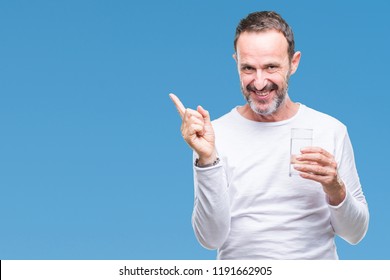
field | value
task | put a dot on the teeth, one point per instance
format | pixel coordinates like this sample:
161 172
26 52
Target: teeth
261 93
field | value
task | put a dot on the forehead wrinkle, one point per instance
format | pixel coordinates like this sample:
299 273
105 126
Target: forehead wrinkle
269 47
268 61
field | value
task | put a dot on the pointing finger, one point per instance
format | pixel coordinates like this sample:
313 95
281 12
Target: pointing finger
179 106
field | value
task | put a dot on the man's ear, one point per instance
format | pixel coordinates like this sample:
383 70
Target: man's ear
295 62
235 57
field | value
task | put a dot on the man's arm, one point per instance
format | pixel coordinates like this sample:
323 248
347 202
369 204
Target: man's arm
211 215
350 218
340 182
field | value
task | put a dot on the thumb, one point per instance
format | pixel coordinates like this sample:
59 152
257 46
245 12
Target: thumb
205 114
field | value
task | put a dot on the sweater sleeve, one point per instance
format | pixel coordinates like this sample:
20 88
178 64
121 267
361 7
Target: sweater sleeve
350 218
211 214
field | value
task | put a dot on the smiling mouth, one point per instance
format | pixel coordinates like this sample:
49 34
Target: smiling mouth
262 93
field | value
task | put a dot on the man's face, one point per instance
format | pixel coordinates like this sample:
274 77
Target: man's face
264 69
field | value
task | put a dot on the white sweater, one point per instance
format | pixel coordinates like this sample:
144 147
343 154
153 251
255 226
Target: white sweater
248 207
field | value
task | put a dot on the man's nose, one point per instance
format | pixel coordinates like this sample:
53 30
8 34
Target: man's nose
260 80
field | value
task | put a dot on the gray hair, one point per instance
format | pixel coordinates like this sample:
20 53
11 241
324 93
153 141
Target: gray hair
264 21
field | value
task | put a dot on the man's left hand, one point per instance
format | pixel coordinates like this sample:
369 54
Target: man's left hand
319 165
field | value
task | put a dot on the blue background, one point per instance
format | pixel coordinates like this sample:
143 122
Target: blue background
92 163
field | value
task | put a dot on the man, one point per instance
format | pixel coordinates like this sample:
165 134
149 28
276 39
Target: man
246 204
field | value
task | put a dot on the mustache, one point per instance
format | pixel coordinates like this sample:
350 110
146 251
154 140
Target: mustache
268 87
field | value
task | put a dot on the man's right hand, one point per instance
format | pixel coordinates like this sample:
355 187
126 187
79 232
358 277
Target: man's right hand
197 131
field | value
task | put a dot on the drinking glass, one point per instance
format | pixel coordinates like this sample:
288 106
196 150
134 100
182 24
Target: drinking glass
300 138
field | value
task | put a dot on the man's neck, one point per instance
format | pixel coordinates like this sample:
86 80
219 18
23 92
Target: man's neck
284 112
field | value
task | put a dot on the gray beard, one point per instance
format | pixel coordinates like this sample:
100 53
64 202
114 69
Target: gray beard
272 108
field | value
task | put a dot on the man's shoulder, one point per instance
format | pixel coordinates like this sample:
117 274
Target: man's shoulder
322 118
226 118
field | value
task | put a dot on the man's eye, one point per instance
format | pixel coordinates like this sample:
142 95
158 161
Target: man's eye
247 69
272 68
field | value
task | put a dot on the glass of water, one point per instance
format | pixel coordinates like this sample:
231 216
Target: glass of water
300 138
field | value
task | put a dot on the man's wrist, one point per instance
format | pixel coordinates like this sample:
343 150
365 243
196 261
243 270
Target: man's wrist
339 196
207 163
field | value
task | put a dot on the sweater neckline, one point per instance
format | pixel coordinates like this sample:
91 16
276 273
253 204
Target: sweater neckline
242 119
